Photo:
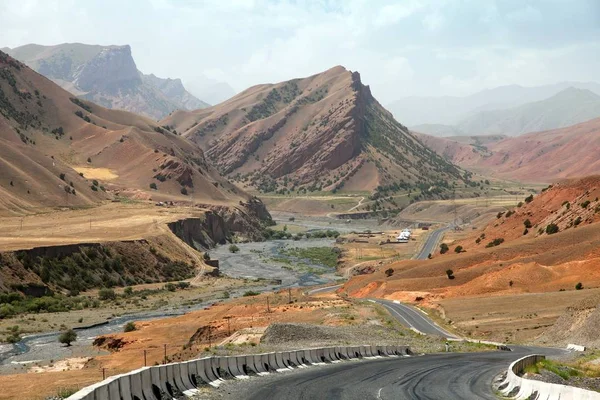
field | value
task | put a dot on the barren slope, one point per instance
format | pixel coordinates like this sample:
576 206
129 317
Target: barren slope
324 132
535 157
536 262
46 133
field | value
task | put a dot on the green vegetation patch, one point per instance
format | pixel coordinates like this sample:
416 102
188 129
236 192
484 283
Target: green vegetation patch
327 256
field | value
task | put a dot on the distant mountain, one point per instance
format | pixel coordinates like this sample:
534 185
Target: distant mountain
209 90
174 90
439 130
324 132
566 108
107 75
449 110
547 156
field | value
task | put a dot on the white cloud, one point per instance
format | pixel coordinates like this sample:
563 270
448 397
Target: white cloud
393 13
401 47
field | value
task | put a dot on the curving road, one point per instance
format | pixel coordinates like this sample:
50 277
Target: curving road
445 376
430 243
413 318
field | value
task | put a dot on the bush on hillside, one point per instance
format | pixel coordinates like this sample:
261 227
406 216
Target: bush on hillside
443 248
551 229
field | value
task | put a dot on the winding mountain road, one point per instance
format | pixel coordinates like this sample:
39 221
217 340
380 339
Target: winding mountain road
447 376
413 318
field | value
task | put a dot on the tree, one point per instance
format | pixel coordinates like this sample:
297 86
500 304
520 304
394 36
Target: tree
67 337
458 249
443 248
389 272
206 256
579 286
233 248
450 274
128 291
551 229
153 186
527 223
184 191
62 176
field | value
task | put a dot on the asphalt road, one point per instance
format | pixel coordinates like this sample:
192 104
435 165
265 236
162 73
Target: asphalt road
413 318
429 246
447 376
325 289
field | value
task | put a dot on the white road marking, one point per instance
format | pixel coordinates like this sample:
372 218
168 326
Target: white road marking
379 393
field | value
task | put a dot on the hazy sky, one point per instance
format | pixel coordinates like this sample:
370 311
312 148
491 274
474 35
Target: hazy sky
403 47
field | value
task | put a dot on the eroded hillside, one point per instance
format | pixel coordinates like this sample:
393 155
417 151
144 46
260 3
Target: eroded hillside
325 132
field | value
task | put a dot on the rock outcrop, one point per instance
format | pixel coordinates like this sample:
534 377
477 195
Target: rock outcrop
107 75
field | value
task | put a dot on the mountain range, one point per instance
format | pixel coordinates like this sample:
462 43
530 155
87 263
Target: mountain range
450 110
534 157
108 76
324 132
56 149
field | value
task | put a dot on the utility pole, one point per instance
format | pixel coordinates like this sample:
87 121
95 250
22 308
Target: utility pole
145 360
209 337
103 373
165 345
228 318
289 295
268 308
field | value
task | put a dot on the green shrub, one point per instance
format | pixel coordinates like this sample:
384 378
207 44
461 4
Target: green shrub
443 248
250 293
67 337
233 248
450 274
107 294
129 327
585 204
551 229
184 191
579 286
458 249
529 199
389 272
527 223
153 186
495 242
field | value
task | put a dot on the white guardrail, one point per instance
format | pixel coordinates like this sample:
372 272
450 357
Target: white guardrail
518 387
174 380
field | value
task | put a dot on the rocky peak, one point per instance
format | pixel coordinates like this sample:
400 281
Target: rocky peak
111 69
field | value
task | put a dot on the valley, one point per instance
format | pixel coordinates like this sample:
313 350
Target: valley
153 241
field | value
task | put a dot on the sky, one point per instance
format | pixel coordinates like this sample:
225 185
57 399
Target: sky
401 48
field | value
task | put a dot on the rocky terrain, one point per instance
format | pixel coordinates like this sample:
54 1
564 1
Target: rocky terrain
108 76
579 325
325 132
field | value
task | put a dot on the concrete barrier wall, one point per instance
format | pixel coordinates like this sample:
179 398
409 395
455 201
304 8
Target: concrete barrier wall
525 388
177 379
